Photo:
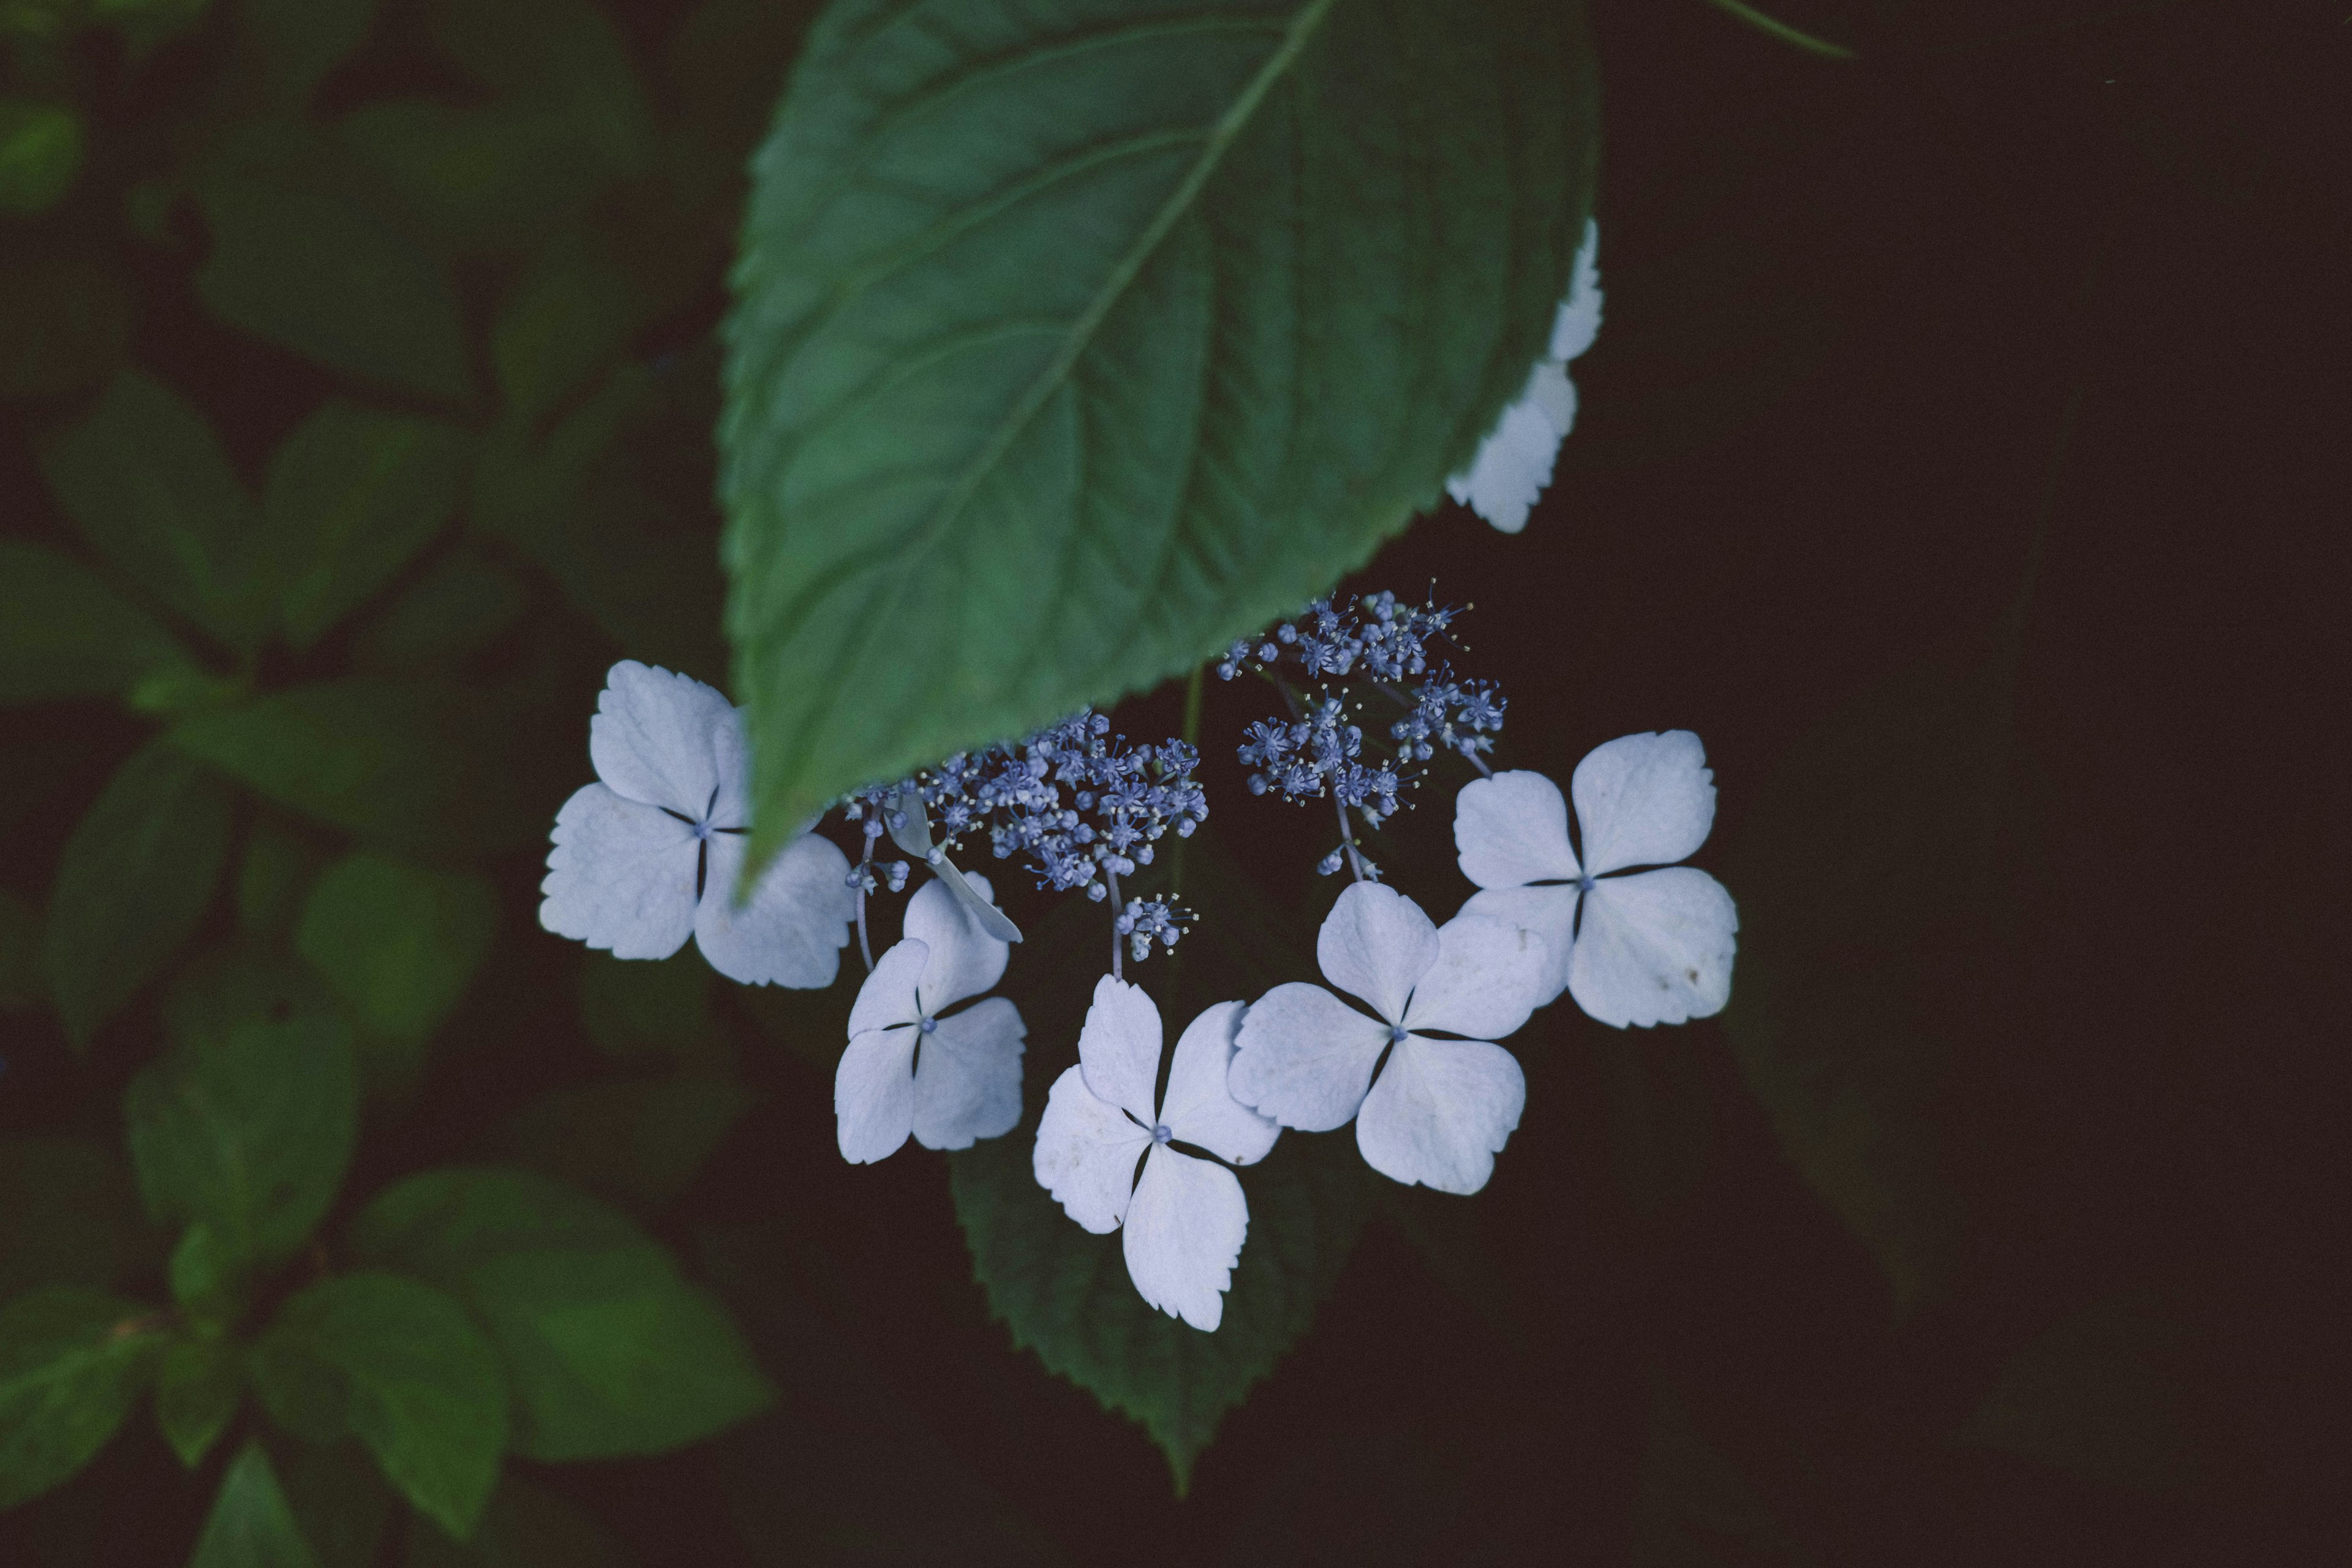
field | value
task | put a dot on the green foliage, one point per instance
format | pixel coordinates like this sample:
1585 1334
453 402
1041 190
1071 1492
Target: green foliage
145 480
215 993
425 766
563 57
300 257
608 1350
66 316
339 1500
271 875
198 1382
463 602
473 180
247 1136
1065 1294
2101 1394
20 964
639 1141
398 942
1143 331
637 1010
353 496
399 1365
40 153
300 41
64 633
69 1214
252 1525
137 875
71 1362
526 1526
1872 872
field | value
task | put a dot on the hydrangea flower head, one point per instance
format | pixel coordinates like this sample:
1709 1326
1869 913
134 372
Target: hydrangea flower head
1632 946
1515 462
1440 1108
651 853
914 1067
1184 1215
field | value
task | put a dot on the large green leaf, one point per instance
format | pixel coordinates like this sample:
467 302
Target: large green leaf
1065 1294
136 879
71 1362
247 1134
609 1349
353 496
1876 875
424 765
339 1500
146 481
399 942
64 633
402 1367
1076 338
69 1214
251 1524
301 258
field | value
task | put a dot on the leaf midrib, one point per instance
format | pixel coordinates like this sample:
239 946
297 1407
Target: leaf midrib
1080 335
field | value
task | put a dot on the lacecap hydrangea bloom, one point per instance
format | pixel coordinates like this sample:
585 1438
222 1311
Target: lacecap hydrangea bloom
1631 946
915 1067
1515 462
1184 1215
1445 1098
651 853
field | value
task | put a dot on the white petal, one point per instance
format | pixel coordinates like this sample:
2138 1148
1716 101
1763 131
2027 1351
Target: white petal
1118 1048
668 740
1441 1112
968 1077
1511 829
874 1094
1642 800
791 929
1554 396
1376 944
1512 468
1579 321
621 876
965 960
1654 948
1198 1108
1304 1057
1086 1154
1549 911
887 997
1184 1234
1489 975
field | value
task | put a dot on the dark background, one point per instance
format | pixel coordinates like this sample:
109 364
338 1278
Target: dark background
1824 432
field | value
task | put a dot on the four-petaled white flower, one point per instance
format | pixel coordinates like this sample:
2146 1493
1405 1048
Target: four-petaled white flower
1652 947
1513 463
1441 1109
948 1079
1185 1216
653 851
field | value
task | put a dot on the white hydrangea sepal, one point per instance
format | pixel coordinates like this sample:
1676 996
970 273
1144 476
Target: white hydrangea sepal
669 806
1633 946
1514 463
915 1069
1183 1218
1447 1098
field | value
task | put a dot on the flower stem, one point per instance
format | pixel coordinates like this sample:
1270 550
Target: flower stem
864 948
1111 877
1348 838
1774 27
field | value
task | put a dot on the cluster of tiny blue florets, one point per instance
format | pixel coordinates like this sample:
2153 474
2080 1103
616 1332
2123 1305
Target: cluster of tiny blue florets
1080 804
1376 646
